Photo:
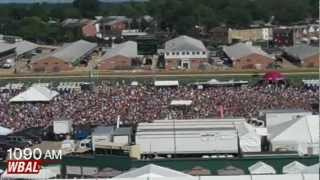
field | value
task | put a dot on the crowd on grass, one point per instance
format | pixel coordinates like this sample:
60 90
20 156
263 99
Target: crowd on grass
143 103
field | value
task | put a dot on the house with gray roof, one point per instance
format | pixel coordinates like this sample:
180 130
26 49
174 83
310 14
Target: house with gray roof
304 55
66 57
185 52
6 51
119 57
246 56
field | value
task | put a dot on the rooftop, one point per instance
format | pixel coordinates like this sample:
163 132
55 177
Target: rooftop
185 43
240 50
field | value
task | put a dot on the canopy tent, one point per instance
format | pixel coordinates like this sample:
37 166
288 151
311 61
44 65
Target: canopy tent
273 76
45 173
215 82
285 136
181 103
5 131
35 94
166 83
261 168
293 168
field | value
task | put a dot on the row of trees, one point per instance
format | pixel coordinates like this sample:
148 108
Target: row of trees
176 15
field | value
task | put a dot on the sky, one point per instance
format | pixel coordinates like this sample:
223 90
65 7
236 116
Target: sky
54 1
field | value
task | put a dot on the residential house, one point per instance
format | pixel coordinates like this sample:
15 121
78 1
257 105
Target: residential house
65 58
119 57
185 52
89 29
7 51
246 56
293 35
304 55
112 26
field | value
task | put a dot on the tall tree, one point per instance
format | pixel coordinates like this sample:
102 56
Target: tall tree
88 8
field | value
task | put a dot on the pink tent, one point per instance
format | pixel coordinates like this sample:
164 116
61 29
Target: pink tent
273 76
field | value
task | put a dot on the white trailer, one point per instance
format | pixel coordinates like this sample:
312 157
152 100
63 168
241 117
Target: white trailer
62 126
188 137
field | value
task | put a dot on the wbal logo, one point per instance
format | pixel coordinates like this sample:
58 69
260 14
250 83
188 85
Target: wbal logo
30 161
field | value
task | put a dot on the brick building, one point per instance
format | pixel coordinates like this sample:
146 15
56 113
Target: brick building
246 56
112 26
119 57
65 58
303 55
89 29
185 52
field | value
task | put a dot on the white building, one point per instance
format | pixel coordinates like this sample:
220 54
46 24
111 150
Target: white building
185 52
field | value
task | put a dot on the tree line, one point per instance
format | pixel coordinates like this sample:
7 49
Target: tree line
32 21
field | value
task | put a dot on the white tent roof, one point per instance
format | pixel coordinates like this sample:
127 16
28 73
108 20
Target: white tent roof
44 173
307 126
314 169
261 168
293 168
152 170
35 94
5 131
166 83
181 103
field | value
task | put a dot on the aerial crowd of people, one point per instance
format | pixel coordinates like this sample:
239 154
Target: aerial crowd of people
144 103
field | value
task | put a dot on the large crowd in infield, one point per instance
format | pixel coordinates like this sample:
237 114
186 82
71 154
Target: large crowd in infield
144 103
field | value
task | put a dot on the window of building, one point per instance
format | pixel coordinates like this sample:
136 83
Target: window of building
188 53
173 53
203 52
193 53
183 53
46 63
178 53
168 53
198 53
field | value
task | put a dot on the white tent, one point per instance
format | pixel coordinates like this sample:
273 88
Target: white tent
5 131
261 168
166 83
153 171
181 103
45 173
35 94
250 140
314 169
300 135
293 168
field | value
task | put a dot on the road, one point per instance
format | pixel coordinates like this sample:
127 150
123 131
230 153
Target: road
146 75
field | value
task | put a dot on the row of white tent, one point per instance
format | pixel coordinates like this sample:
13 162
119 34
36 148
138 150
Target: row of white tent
12 86
69 86
312 82
259 171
